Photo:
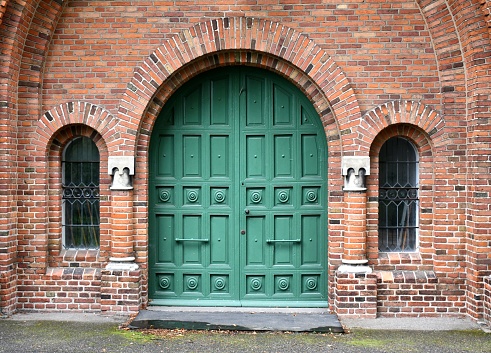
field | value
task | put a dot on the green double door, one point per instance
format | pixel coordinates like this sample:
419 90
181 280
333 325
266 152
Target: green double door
237 195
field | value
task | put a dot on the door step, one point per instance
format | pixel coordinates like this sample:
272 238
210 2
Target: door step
238 319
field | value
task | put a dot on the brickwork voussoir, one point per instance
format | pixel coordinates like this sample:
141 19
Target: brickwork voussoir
206 35
75 113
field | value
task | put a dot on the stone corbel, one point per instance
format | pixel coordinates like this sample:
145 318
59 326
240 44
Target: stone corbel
354 171
122 169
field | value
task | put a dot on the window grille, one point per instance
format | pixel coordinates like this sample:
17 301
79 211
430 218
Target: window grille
398 196
80 184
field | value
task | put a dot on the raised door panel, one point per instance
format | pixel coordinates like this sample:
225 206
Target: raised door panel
282 107
284 146
255 109
221 161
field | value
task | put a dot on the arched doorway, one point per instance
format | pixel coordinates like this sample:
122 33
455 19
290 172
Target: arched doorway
238 194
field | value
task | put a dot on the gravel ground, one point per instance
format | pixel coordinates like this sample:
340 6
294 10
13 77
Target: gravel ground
17 335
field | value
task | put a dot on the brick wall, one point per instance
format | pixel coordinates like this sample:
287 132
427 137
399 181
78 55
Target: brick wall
61 289
373 69
355 295
121 291
487 301
416 293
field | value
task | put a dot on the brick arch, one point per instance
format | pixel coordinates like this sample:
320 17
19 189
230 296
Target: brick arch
402 112
43 20
75 113
52 131
246 58
422 140
246 41
3 8
55 150
428 154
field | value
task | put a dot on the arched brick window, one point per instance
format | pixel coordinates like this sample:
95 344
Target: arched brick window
80 184
398 196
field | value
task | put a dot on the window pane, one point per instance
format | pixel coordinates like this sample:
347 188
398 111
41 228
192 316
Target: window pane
81 218
398 196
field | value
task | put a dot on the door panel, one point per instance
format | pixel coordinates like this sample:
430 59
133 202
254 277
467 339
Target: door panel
166 152
219 156
192 107
283 156
310 242
192 148
255 104
283 106
220 102
282 241
238 195
165 246
310 156
219 229
256 231
256 160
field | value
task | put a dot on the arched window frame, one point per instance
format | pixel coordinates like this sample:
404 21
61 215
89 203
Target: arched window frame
398 201
58 255
80 194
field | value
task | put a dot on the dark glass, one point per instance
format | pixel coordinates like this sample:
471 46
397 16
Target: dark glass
398 196
81 219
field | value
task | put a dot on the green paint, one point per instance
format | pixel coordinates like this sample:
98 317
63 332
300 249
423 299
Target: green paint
238 195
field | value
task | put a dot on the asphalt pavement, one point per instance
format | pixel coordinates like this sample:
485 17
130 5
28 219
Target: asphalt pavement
68 332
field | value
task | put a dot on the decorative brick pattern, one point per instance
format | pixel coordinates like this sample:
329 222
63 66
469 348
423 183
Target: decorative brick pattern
121 291
487 301
61 289
8 291
416 293
3 8
355 295
355 223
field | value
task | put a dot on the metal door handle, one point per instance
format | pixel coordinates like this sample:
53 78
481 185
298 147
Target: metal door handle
192 239
246 211
283 240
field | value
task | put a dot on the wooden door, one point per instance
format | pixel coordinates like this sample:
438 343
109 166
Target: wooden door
238 195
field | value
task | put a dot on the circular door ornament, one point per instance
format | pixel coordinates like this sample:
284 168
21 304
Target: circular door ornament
256 197
164 282
311 283
192 283
256 284
283 284
219 196
220 283
165 196
192 196
311 196
283 196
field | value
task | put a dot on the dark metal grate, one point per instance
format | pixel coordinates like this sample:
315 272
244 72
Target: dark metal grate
398 196
81 198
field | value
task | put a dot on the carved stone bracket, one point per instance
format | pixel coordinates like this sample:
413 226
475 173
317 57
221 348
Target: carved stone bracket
354 171
122 169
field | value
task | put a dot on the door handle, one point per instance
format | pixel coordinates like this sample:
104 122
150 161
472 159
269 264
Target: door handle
246 211
192 239
283 240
